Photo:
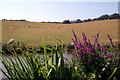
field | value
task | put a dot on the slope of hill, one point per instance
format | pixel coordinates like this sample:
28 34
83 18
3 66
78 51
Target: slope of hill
33 32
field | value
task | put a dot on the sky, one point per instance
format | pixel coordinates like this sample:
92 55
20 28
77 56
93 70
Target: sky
37 11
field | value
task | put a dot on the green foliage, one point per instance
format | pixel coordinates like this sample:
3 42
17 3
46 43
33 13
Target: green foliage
96 63
95 60
66 22
103 17
8 48
78 21
32 66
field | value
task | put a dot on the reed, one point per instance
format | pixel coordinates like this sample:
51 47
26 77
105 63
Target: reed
32 66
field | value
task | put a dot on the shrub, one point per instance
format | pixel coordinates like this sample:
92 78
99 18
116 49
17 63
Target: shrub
8 48
95 60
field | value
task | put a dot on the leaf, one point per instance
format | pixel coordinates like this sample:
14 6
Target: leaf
48 73
112 73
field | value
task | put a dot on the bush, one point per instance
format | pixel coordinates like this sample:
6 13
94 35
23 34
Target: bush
10 48
66 22
95 60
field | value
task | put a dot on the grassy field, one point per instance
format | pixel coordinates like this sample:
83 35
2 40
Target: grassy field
32 33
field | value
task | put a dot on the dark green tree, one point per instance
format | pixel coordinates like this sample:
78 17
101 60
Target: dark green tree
103 17
78 21
66 22
115 16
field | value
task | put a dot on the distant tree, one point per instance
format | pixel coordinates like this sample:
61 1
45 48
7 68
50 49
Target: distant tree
78 21
3 19
66 22
94 19
72 21
22 20
106 16
115 16
87 20
103 17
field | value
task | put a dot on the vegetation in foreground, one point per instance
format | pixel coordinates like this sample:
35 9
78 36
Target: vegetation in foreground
16 46
89 62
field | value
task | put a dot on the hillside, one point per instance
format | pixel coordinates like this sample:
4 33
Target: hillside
33 32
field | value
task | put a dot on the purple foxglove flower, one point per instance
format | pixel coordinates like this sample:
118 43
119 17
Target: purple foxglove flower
96 43
104 49
96 37
108 56
110 39
90 45
76 47
76 39
84 39
89 50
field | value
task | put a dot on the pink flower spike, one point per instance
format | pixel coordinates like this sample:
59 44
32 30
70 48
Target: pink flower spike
84 37
96 37
104 49
110 40
108 56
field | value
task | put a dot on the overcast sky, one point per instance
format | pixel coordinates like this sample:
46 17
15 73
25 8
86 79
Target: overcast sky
34 10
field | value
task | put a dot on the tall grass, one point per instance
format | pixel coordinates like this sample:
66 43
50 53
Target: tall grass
8 48
35 67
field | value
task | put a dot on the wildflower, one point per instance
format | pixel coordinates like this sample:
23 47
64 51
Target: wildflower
75 36
96 37
104 49
96 43
110 40
108 56
84 39
76 46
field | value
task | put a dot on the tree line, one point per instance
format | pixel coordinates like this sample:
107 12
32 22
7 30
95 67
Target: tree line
103 17
14 20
